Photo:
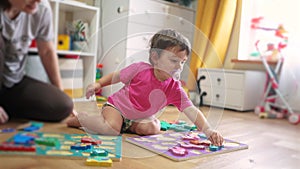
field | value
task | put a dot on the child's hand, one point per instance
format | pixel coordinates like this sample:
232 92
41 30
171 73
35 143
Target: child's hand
3 116
215 137
92 89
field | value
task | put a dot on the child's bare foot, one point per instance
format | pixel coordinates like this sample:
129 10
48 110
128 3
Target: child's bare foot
73 121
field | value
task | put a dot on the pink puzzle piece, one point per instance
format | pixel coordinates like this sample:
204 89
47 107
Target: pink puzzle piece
179 151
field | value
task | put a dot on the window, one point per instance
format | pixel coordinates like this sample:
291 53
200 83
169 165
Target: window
262 20
274 13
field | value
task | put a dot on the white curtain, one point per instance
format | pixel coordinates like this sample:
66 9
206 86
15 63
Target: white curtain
276 12
289 83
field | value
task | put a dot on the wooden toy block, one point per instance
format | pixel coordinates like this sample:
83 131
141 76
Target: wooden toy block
63 42
90 140
213 148
47 141
263 115
190 137
99 161
99 105
37 124
189 127
22 139
181 122
31 128
15 147
179 126
7 130
164 126
101 98
99 152
202 142
202 135
178 151
191 146
80 146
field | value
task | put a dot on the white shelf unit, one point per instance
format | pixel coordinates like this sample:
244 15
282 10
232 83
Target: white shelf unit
240 90
66 11
128 25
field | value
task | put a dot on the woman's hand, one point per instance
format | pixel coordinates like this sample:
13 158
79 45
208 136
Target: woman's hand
92 89
3 116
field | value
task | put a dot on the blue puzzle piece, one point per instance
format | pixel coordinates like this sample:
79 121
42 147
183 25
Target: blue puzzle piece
22 139
99 152
31 128
7 130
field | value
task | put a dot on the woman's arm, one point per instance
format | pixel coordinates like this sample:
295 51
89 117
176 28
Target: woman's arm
49 59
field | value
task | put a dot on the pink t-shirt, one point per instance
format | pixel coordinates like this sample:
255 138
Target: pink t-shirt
143 95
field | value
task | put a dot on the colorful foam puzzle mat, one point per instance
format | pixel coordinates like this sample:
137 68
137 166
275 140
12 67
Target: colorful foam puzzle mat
180 142
61 145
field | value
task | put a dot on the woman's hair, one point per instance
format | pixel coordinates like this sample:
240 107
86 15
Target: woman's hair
168 38
4 4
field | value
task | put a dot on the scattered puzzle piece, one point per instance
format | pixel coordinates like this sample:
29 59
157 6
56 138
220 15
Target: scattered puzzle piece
90 140
178 151
22 139
99 152
7 130
192 146
15 147
178 126
37 124
48 141
31 126
190 137
99 161
80 146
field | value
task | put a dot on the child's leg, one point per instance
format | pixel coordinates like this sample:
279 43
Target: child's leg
147 126
108 122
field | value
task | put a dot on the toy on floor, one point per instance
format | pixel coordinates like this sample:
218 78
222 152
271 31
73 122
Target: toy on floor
179 126
99 161
30 126
271 51
180 146
99 150
7 130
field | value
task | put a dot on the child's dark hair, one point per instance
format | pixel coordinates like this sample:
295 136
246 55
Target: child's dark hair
4 4
167 38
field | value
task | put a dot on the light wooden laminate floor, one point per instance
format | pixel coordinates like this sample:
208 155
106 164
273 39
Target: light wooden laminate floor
272 144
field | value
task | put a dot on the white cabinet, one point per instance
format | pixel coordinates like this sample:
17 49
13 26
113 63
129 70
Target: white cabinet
233 89
128 25
64 13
